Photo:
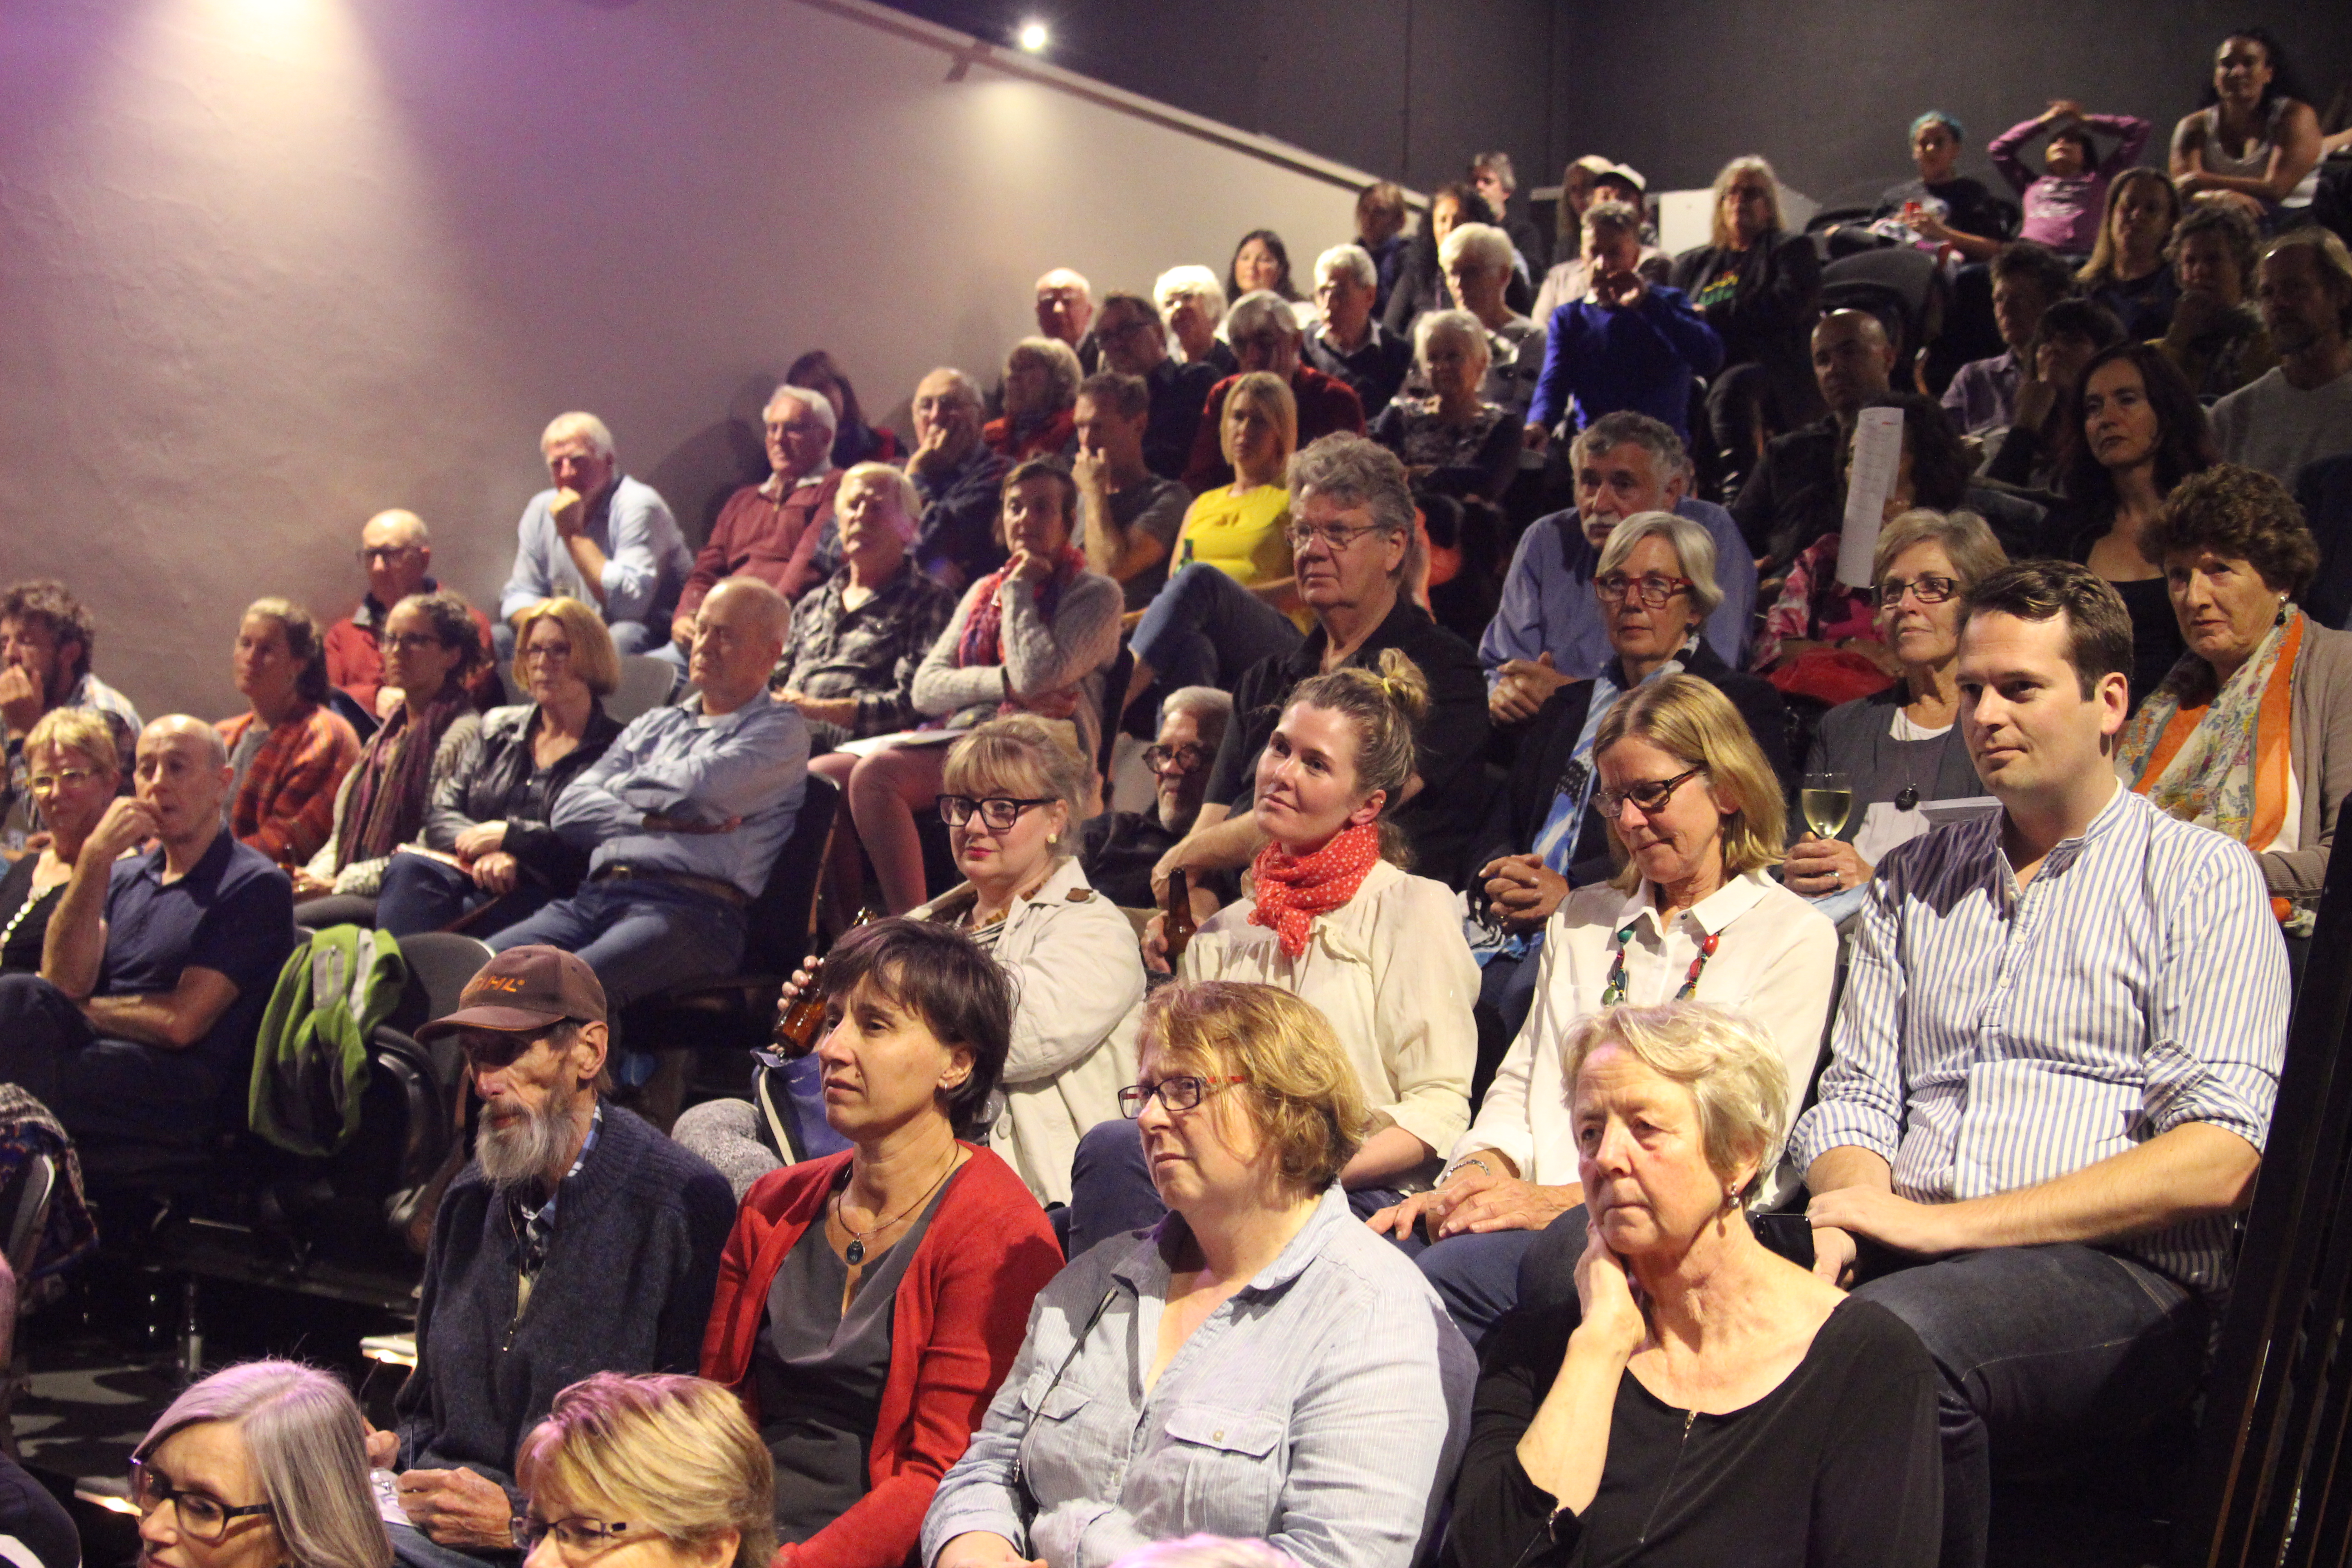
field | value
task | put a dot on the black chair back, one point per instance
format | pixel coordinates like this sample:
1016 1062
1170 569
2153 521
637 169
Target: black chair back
2272 1481
780 920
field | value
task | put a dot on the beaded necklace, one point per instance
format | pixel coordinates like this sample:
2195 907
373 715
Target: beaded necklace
1613 992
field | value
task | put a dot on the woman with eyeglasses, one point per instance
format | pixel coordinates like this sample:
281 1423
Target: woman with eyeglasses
870 1301
1902 746
1231 597
430 649
1695 820
288 750
1334 920
73 770
654 1471
493 858
258 1466
1259 1365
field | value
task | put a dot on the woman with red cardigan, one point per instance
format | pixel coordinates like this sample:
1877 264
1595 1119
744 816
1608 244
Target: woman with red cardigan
870 1302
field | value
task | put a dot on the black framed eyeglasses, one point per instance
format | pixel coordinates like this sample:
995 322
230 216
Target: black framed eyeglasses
1927 588
998 812
1653 590
1186 757
1181 1092
200 1515
1650 796
574 1536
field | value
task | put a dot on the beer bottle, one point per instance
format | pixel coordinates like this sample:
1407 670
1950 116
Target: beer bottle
802 1024
1177 929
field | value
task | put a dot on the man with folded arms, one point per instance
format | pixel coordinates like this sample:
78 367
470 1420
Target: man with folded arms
683 815
2054 1063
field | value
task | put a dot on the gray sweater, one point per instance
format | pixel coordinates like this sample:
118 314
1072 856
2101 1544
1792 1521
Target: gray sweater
1039 658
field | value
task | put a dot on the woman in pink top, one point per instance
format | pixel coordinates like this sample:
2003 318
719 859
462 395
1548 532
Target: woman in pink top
2063 206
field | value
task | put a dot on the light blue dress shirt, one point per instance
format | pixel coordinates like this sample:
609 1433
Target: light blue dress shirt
646 561
1322 1408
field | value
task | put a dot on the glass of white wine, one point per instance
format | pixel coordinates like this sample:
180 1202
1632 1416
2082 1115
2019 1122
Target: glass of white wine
1827 800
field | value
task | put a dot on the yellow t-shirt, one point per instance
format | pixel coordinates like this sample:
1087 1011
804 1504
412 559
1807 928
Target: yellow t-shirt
1244 536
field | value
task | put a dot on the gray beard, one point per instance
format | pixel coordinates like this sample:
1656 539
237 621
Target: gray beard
516 1156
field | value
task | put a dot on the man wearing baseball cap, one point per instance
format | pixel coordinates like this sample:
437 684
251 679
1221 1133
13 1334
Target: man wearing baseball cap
578 1240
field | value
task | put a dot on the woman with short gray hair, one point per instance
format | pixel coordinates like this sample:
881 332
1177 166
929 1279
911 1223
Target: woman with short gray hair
1041 389
1451 440
1476 260
1193 303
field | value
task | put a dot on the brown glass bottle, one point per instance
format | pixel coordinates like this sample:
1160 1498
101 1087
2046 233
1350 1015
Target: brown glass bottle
1177 929
801 1024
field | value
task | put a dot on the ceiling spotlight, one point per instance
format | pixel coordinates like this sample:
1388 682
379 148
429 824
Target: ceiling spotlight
1033 38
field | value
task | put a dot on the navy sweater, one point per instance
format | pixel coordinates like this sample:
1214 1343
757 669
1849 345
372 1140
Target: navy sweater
626 1287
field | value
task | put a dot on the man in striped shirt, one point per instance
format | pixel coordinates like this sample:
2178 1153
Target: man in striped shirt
2053 1065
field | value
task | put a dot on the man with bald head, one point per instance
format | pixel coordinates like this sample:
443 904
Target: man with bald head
1796 493
157 966
396 553
1066 312
682 816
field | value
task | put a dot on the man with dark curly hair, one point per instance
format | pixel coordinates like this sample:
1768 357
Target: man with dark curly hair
45 636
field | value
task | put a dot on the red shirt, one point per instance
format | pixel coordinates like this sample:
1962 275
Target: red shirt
958 1321
1052 439
355 663
774 541
1325 404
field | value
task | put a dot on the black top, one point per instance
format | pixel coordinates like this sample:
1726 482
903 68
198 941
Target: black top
23 927
1858 739
2144 305
820 1371
2157 642
36 1531
1797 494
1178 394
506 783
1549 745
1442 819
1769 315
1374 368
1840 1465
1969 206
2322 488
1118 849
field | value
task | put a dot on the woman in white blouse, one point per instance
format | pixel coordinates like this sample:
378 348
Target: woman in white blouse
1697 815
1377 949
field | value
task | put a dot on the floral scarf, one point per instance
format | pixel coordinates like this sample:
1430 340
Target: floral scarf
2221 759
983 631
1292 890
386 805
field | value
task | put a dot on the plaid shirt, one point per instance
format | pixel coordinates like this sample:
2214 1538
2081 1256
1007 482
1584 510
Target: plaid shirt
869 653
285 805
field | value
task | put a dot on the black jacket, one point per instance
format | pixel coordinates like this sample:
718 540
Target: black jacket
500 787
1768 316
1549 745
1178 394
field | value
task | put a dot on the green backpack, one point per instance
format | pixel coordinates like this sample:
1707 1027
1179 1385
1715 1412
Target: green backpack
311 1058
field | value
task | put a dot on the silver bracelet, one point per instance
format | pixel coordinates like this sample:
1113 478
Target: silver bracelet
1473 1160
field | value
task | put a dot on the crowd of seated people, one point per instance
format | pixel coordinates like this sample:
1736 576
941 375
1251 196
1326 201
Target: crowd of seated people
1506 988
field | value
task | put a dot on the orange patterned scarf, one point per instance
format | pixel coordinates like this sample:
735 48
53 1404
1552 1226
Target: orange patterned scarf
1292 890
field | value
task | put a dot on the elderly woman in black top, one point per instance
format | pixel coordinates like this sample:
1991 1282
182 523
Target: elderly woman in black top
491 857
1901 746
1709 1402
1756 285
1453 439
73 768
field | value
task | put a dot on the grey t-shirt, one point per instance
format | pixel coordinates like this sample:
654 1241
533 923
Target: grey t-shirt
1158 507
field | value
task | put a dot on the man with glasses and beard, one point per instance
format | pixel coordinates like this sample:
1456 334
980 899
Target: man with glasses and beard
578 1240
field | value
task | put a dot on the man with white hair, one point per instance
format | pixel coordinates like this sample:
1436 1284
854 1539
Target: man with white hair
1476 261
773 530
1134 342
1264 333
1348 344
598 536
1192 303
957 477
682 816
397 553
1065 313
158 964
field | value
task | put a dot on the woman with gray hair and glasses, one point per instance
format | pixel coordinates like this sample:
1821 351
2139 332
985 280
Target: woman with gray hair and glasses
258 1466
1453 440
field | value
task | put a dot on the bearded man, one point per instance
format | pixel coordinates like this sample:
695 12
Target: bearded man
578 1240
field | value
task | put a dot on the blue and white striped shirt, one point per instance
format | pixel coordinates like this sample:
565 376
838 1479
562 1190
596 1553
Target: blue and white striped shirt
1322 1408
1990 1039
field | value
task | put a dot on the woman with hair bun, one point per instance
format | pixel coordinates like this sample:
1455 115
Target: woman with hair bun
1377 949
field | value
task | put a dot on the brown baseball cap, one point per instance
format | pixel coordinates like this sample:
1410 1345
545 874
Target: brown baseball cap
521 989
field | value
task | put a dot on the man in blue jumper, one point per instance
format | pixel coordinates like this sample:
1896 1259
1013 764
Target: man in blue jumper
578 1240
1631 343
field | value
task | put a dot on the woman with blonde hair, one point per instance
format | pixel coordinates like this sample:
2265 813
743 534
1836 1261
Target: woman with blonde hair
2129 272
1302 1386
1709 1401
1759 287
288 750
256 1466
1377 951
1694 815
1231 597
73 769
659 1460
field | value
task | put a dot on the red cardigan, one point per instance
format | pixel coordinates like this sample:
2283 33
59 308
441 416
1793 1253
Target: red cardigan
962 1312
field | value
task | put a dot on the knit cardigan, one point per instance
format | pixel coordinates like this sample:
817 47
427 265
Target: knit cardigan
958 1321
626 1288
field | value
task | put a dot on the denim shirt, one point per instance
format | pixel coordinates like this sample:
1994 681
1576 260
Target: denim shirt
1322 1408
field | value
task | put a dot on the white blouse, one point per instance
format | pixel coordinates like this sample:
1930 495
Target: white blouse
1390 971
1777 962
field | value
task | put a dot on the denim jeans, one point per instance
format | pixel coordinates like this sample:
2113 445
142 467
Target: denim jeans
2044 1351
1112 1191
640 935
1204 629
421 894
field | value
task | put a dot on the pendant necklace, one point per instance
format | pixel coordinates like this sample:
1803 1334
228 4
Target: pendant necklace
855 1252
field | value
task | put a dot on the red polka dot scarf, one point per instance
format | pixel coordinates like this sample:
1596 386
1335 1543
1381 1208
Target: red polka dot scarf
1293 889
